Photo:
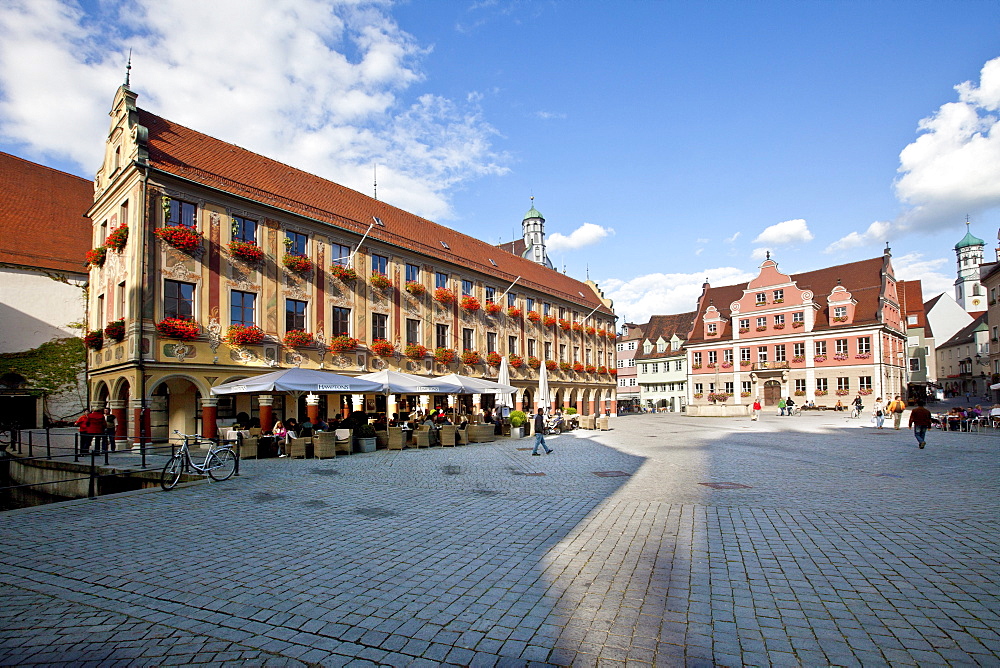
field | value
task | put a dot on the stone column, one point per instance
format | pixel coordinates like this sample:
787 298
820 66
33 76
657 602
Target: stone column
209 413
140 423
593 407
312 407
120 410
266 402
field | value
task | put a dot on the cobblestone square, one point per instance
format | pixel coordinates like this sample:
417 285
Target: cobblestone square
813 540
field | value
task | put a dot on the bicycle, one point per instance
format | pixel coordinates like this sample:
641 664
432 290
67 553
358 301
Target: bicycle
219 464
856 411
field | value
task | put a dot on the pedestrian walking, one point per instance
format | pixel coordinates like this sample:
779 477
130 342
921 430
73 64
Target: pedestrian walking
540 435
920 421
781 406
91 426
896 408
756 410
110 427
878 412
789 405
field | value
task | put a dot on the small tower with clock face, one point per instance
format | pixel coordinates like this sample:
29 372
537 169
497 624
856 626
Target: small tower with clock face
969 292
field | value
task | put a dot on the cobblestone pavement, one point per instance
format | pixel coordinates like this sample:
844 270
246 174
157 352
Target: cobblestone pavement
823 542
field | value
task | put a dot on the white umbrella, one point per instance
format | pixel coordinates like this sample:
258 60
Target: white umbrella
544 398
298 381
471 385
504 399
397 382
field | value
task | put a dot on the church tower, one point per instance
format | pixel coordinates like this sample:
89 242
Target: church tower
533 228
968 291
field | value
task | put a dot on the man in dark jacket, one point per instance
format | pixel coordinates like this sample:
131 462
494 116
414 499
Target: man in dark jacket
920 420
540 434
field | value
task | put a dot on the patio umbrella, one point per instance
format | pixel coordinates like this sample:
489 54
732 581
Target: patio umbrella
396 382
504 399
544 398
297 381
472 385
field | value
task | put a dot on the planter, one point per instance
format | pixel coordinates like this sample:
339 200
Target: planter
517 432
366 444
180 237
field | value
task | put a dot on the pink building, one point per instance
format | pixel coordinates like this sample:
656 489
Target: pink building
821 336
628 384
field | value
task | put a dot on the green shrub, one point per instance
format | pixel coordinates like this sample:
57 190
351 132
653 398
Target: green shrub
569 410
517 418
364 431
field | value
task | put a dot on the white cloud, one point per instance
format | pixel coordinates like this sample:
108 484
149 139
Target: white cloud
759 253
913 267
549 115
662 294
787 232
699 251
321 85
585 235
703 241
732 239
953 167
877 233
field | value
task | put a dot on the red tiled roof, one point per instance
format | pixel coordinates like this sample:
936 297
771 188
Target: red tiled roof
42 220
192 155
911 297
665 326
863 279
515 247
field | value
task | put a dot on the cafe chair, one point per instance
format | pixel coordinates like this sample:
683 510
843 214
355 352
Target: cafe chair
325 445
297 447
343 440
447 434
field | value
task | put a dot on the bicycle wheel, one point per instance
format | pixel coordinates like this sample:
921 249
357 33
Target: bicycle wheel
172 472
221 464
6 436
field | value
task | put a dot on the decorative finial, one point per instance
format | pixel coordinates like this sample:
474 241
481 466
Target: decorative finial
128 68
768 254
838 281
375 180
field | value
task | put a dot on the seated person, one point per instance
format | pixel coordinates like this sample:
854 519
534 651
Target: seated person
463 422
305 429
292 428
839 406
321 425
433 437
242 420
488 416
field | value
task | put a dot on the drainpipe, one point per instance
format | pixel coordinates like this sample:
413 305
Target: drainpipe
141 419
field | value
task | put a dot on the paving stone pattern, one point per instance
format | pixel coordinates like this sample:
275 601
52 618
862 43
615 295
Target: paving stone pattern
848 546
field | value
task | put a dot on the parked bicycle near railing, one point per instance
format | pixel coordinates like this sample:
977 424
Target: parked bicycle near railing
219 464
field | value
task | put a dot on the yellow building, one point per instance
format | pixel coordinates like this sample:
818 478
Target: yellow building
241 265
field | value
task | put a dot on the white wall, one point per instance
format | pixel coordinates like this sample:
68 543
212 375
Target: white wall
35 308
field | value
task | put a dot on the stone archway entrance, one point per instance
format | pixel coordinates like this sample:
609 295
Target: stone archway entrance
772 392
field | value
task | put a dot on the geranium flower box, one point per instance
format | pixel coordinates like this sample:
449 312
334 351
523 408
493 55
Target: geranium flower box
762 329
590 368
591 331
96 256
551 365
613 372
494 359
380 281
515 361
800 393
176 328
514 312
444 296
549 320
865 391
744 330
94 339
245 335
744 394
602 369
298 338
246 251
415 351
382 348
565 366
300 264
493 308
180 237
779 325
695 366
533 316
470 304
745 363
819 358
117 239
415 288
471 357
534 362
820 393
343 274
798 323
798 359
444 355
115 330
577 327
565 325
339 344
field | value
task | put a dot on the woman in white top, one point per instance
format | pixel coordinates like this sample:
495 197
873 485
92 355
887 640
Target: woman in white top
878 412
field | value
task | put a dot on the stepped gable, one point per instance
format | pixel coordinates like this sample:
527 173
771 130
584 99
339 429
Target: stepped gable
665 326
191 155
912 297
42 221
863 279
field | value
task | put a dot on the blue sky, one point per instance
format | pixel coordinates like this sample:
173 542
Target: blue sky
665 142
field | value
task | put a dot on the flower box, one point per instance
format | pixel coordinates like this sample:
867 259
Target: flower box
565 325
762 329
96 256
339 344
415 351
551 365
779 325
471 357
613 372
444 296
494 359
300 264
382 348
379 281
839 357
94 339
534 362
590 368
798 359
415 288
744 330
798 323
745 363
602 369
246 251
176 328
297 338
695 366
819 358
779 300
602 333
343 274
761 304
718 396
180 237
840 318
591 331
244 335
820 393
744 394
514 312
726 365
612 335
843 393
117 239
493 308
863 356
549 320
697 395
578 367
865 392
515 361
800 393
565 366
710 365
444 355
577 327
533 316
115 330
470 304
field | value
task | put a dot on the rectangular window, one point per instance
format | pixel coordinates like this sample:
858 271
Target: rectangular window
511 299
799 316
798 350
295 314
779 319
242 308
548 350
727 355
546 307
843 383
864 345
491 342
678 365
800 384
441 336
819 348
711 328
412 331
529 304
744 354
698 388
440 280
914 364
779 353
295 243
841 346
466 288
178 300
531 348
181 213
696 359
100 312
729 387
779 296
656 367
123 213
865 383
244 229
340 254
380 264
761 353
645 368
467 342
562 355
839 312
491 295
713 357
512 345
762 322
822 385
341 321
744 323
380 326
746 386
412 273
761 298
121 299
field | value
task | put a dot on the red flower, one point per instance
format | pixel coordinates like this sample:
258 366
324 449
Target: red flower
94 340
415 288
95 257
343 274
380 281
534 362
470 303
549 320
118 238
176 328
534 316
515 361
565 325
513 312
591 331
493 308
246 251
300 264
577 366
493 359
444 296
444 355
297 338
551 365
115 330
244 335
415 351
343 342
471 357
382 348
180 237
577 326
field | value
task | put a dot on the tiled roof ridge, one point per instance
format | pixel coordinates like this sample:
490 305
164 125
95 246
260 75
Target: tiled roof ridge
796 278
37 165
267 197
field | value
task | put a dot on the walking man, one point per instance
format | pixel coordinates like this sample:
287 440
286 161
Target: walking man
920 420
781 406
540 435
756 410
896 407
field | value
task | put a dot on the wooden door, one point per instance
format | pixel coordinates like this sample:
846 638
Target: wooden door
772 393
